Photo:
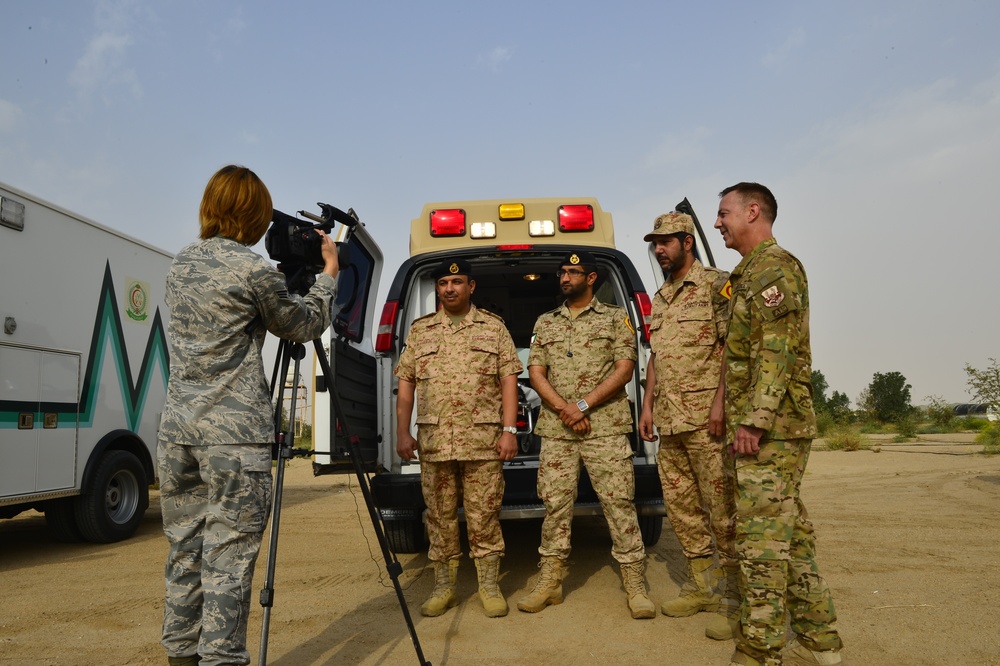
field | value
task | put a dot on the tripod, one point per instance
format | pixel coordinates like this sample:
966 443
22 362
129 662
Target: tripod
284 448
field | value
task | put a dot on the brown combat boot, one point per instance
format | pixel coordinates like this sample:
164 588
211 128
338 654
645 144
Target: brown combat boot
634 579
488 569
722 626
548 587
443 596
699 593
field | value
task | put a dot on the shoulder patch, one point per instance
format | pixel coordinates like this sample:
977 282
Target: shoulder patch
727 290
628 323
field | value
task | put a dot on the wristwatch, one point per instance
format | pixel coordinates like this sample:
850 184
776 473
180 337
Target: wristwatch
582 405
511 429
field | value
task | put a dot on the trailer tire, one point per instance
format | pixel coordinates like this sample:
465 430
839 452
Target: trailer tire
60 516
405 535
112 507
650 527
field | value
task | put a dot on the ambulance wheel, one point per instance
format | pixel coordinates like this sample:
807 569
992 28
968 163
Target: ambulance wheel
114 504
60 517
650 528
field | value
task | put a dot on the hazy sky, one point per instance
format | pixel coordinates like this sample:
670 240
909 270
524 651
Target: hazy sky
876 124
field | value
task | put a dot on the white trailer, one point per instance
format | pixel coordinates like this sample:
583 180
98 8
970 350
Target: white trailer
83 369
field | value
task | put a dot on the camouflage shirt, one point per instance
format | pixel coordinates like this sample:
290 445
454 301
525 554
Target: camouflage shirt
768 359
578 355
457 372
217 392
688 333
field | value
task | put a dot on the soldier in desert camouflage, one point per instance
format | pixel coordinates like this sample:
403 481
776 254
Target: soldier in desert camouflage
462 365
684 400
214 447
582 355
770 421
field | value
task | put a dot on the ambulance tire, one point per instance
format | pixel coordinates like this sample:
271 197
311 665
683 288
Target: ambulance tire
650 527
405 535
60 517
114 504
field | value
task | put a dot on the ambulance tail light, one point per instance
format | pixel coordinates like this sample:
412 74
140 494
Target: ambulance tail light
576 217
645 311
387 327
447 222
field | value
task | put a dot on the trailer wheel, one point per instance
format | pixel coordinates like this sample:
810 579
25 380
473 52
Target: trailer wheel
650 527
113 506
60 516
405 535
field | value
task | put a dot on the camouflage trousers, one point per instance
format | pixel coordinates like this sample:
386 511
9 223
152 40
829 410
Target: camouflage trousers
478 486
777 553
609 464
696 473
215 502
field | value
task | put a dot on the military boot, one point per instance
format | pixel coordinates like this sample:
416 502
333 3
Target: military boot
443 596
548 587
722 627
634 579
193 660
797 654
488 569
699 593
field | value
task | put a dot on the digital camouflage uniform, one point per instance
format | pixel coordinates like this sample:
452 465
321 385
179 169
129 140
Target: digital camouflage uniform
768 386
578 354
687 335
457 371
214 453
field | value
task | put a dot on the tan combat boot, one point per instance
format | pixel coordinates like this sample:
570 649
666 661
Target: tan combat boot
699 593
548 588
443 596
488 569
634 579
797 654
722 627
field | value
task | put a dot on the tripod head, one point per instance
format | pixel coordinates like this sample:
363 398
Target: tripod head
297 246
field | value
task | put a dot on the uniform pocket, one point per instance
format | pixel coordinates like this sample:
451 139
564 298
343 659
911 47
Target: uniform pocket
696 326
426 361
255 489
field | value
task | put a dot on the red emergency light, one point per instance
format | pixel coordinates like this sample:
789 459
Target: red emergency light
576 217
448 222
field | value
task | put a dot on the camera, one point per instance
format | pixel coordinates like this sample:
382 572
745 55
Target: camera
297 246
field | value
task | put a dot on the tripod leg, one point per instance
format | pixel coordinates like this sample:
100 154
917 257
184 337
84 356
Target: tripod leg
392 565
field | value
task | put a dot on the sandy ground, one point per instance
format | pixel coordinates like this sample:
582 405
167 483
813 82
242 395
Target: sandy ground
907 539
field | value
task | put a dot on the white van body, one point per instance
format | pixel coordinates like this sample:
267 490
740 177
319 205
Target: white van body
83 369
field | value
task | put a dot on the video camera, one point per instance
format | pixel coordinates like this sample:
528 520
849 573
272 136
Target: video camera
297 247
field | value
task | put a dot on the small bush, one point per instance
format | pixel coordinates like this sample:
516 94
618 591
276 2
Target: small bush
824 422
972 423
906 426
847 439
989 437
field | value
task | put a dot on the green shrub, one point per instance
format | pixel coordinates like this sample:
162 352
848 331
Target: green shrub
824 422
989 437
847 439
973 423
906 426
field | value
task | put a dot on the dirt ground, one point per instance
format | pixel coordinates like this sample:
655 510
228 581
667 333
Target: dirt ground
907 539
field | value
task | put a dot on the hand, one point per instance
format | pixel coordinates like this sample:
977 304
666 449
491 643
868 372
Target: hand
717 417
406 446
570 415
582 427
646 430
330 255
507 446
747 442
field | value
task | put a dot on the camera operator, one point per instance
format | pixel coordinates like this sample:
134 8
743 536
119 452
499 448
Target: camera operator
214 452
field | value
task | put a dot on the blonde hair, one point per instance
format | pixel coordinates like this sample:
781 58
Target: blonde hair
236 205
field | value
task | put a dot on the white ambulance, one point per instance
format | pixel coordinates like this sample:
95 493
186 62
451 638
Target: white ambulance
83 369
515 246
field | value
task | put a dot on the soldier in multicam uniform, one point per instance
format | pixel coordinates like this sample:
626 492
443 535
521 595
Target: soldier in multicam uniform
684 400
463 367
769 413
214 447
582 355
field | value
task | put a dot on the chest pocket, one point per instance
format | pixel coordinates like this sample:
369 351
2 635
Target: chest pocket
426 360
695 324
484 356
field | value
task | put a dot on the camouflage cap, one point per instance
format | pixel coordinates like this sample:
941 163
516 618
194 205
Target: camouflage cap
580 257
452 267
669 224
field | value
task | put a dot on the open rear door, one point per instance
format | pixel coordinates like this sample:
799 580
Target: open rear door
701 249
351 383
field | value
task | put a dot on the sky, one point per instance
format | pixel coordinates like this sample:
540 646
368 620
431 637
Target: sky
875 124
